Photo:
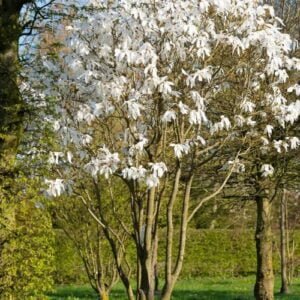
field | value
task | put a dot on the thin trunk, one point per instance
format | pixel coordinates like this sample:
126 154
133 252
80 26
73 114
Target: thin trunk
284 282
264 286
146 290
169 286
289 253
170 229
124 278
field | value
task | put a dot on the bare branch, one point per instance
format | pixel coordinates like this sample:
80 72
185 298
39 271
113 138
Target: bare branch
218 191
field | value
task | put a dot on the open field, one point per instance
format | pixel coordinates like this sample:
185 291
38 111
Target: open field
194 289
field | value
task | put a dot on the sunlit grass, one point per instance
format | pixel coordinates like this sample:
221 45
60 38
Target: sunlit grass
193 289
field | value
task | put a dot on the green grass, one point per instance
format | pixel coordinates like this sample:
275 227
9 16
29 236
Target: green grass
194 289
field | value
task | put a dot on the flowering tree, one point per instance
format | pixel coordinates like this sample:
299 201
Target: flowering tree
148 93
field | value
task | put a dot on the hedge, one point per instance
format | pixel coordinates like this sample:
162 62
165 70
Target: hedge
209 253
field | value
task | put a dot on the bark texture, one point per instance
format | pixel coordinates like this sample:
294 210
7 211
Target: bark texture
264 286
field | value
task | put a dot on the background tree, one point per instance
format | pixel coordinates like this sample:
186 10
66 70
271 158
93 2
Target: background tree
89 241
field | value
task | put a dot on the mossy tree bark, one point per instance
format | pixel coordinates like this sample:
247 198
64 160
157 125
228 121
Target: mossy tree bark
11 105
264 286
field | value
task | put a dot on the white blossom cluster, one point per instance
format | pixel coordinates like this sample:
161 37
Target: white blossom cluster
140 65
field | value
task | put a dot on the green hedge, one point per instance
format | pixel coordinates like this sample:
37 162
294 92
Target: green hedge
227 253
209 253
224 253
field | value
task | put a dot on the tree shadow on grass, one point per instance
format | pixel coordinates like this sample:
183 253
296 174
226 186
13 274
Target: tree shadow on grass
290 296
82 293
70 292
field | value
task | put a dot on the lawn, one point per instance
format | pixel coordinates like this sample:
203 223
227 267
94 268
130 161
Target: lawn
194 289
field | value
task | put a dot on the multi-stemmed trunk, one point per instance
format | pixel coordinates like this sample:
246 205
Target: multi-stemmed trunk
172 271
264 286
103 294
147 252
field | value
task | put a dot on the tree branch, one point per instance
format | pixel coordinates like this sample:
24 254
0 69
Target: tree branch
218 191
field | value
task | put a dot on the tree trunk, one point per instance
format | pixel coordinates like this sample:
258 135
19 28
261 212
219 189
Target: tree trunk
283 245
264 285
103 295
11 104
146 290
171 280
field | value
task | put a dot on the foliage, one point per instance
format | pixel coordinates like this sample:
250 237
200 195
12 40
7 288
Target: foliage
27 256
69 267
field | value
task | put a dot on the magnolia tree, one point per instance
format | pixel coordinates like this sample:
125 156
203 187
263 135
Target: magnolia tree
148 93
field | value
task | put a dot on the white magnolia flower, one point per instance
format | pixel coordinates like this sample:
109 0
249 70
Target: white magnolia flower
199 101
201 140
84 114
267 170
265 141
250 122
168 116
93 167
134 173
223 124
69 156
282 75
247 106
139 146
166 87
295 142
184 109
55 187
158 169
268 130
197 117
239 120
134 108
56 125
277 145
295 88
54 157
106 163
86 139
180 149
152 181
199 76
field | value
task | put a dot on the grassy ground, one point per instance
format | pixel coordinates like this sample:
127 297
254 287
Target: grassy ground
195 289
